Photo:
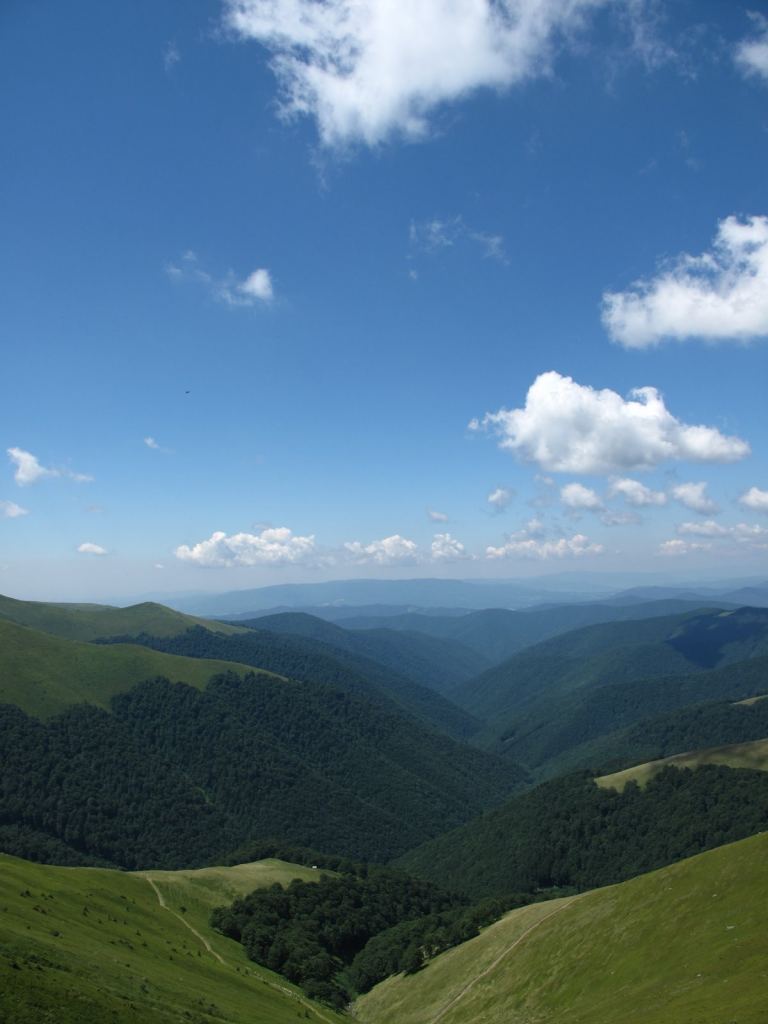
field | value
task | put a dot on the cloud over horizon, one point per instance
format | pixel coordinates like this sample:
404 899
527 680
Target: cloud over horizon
272 546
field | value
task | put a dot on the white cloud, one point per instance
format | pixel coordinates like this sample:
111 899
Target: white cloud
694 497
395 550
272 546
682 547
88 548
436 517
577 496
29 470
370 69
446 548
565 547
10 510
256 288
637 494
755 499
500 498
150 442
709 528
720 295
567 427
171 56
752 54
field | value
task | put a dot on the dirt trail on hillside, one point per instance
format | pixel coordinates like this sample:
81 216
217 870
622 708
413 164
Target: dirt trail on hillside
278 988
521 938
180 917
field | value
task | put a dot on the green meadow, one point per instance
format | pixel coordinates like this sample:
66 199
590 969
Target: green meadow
737 755
684 945
43 674
93 946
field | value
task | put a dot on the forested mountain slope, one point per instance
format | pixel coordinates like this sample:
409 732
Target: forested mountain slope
315 661
174 777
571 832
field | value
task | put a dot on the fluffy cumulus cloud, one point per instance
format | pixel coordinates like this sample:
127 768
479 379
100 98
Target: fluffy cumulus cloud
446 548
752 53
695 497
499 498
394 550
637 494
88 548
532 547
720 295
755 499
272 546
709 528
577 496
370 69
29 469
568 427
10 510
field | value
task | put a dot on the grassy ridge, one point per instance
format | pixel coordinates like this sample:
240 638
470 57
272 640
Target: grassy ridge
92 621
737 755
44 674
684 944
85 946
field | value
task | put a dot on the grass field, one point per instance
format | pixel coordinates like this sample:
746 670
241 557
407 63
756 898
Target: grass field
91 946
43 674
739 755
684 945
92 621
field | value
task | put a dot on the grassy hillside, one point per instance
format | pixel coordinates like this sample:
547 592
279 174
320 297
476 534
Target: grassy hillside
85 946
92 621
43 674
681 945
736 755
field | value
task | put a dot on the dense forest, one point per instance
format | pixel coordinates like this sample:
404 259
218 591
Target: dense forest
313 660
175 777
569 832
338 937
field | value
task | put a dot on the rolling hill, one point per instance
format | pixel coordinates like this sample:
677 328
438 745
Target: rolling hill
736 755
93 621
683 944
44 674
84 945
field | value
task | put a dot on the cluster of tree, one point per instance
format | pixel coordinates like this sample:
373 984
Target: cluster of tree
176 777
570 832
312 932
314 660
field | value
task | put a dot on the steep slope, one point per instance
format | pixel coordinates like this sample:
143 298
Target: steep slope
91 621
82 946
437 662
175 777
557 731
44 674
736 755
569 832
686 943
315 661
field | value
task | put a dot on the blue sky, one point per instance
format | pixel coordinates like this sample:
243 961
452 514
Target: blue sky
305 249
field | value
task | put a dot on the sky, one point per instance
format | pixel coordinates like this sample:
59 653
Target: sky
296 291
